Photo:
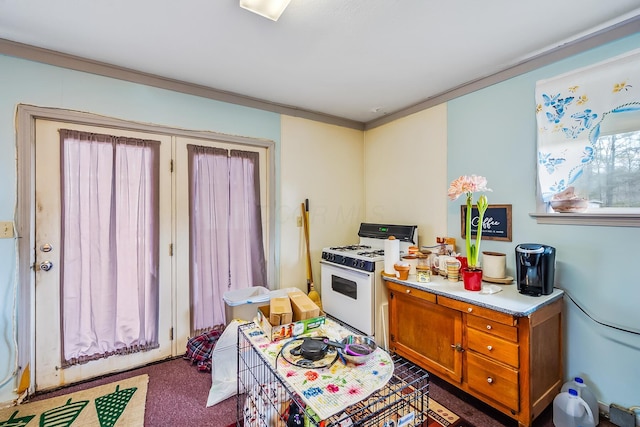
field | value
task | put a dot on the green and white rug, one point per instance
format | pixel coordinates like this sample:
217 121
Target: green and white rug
121 403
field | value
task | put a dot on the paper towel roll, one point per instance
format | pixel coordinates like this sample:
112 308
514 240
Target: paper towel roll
391 255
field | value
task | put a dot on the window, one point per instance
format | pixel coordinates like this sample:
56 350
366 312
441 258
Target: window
589 145
611 181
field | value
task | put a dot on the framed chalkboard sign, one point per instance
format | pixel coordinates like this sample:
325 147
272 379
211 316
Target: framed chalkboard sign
496 223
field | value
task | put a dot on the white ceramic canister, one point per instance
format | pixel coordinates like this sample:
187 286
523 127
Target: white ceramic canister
412 260
494 264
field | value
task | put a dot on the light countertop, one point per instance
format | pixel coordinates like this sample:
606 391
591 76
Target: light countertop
508 300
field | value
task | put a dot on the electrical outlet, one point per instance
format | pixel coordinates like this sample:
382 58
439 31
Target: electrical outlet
622 416
6 229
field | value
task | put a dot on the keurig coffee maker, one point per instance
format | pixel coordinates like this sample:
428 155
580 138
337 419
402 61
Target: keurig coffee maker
535 268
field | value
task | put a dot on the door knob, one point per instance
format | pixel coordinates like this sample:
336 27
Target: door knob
457 347
46 265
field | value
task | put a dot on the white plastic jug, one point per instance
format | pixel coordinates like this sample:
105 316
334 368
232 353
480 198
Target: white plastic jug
570 410
586 394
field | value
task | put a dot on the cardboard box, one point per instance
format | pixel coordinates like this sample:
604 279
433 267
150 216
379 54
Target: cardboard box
280 312
303 307
278 332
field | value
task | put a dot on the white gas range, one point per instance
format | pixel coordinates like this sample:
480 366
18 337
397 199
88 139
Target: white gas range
351 284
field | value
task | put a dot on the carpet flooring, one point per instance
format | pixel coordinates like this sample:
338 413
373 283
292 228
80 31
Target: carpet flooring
177 396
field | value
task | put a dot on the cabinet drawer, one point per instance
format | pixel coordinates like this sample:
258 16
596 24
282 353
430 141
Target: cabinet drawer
494 328
476 310
493 380
408 290
493 347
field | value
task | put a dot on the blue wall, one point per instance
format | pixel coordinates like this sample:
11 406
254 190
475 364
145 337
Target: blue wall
492 132
26 82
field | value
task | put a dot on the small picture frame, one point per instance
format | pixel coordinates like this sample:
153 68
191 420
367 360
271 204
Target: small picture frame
497 222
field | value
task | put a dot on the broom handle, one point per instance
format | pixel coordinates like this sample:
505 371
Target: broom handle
306 203
306 239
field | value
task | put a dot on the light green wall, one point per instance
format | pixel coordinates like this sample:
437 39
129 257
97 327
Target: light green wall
492 132
26 82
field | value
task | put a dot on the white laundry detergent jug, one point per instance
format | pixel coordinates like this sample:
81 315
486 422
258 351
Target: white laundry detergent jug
570 410
586 394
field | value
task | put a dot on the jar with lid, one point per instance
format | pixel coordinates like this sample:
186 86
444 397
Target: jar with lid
423 269
424 259
423 274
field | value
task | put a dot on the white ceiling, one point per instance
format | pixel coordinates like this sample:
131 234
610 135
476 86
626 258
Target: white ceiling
354 59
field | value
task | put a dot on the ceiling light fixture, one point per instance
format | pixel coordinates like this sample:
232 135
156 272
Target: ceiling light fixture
271 9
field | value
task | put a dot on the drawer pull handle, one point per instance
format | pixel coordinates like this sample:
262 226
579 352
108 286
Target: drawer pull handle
489 347
489 327
489 380
469 309
408 291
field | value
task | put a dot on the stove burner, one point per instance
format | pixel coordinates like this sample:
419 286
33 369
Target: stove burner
372 254
350 248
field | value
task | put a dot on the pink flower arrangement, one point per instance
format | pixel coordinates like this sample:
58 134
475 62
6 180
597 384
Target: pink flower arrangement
469 185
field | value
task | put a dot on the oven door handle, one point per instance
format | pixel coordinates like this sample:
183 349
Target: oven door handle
350 269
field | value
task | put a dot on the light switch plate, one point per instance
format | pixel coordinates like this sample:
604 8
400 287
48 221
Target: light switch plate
6 229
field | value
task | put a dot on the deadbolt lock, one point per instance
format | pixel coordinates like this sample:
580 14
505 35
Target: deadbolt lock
46 265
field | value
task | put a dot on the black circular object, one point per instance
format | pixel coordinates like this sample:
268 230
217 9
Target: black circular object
309 352
311 349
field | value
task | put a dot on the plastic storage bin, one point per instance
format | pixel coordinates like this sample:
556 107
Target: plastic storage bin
242 304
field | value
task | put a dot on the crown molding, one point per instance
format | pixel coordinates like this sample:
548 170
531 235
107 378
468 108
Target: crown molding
32 53
59 59
622 29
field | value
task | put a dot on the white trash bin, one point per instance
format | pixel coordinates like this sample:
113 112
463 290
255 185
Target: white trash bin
243 304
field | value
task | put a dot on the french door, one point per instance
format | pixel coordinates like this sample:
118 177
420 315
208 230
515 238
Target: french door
49 319
174 303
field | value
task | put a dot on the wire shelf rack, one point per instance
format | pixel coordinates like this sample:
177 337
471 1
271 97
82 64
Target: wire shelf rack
265 399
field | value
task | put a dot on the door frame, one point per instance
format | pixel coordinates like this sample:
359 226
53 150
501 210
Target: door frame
26 116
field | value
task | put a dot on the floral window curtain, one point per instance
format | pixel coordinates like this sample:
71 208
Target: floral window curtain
227 250
569 111
109 255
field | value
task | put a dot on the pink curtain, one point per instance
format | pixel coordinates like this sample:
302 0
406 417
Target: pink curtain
109 274
248 267
227 250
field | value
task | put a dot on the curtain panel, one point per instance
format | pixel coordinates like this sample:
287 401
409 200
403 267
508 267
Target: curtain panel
109 273
570 111
226 251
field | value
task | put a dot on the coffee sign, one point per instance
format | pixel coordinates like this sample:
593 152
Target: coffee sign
496 224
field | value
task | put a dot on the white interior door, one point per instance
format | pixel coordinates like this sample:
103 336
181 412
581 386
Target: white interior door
48 352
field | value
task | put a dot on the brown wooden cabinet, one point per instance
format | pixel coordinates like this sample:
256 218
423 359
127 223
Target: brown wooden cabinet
513 363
